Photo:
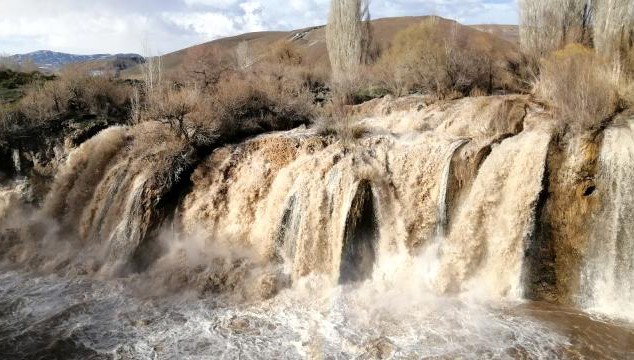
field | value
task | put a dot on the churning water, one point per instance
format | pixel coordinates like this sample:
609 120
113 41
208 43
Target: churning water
48 317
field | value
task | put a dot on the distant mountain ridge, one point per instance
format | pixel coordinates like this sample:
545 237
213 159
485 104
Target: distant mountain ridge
51 60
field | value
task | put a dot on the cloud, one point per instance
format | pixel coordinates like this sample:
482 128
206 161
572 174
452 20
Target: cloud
80 26
208 24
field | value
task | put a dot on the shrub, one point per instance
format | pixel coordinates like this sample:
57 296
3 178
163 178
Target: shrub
262 100
287 53
105 97
44 102
242 102
172 105
70 96
205 65
421 59
10 119
583 90
336 117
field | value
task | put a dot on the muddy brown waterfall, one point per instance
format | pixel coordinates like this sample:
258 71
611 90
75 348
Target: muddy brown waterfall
607 270
430 213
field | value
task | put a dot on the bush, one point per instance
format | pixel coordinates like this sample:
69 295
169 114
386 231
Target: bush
241 102
172 105
205 65
583 90
263 99
74 94
70 96
286 53
421 59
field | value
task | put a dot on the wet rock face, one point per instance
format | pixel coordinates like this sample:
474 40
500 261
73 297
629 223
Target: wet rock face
564 226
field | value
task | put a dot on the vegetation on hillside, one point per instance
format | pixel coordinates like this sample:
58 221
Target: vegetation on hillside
577 60
13 84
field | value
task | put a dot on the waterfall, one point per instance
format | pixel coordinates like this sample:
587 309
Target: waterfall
301 203
607 277
414 240
442 192
285 244
484 249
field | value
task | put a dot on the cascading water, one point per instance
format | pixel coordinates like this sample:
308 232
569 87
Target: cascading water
17 161
607 279
405 243
484 249
442 192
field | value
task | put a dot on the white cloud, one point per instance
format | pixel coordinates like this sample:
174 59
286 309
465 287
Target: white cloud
208 24
82 26
218 4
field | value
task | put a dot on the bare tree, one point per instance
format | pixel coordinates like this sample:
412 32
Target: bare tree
205 65
348 36
152 72
614 28
546 25
172 106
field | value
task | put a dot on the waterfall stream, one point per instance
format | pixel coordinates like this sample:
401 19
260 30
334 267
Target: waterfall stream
607 281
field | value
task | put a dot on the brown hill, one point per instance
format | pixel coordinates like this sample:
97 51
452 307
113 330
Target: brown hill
510 33
499 40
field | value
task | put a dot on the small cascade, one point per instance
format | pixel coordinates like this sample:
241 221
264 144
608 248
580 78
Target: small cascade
17 163
484 249
107 198
129 232
361 234
443 189
114 184
607 276
287 235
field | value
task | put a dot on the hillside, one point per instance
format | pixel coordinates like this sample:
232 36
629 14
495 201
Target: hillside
509 33
500 40
52 61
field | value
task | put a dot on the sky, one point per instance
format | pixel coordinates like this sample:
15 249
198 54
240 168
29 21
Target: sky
151 27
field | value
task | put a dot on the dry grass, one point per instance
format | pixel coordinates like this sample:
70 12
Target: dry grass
337 118
583 89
